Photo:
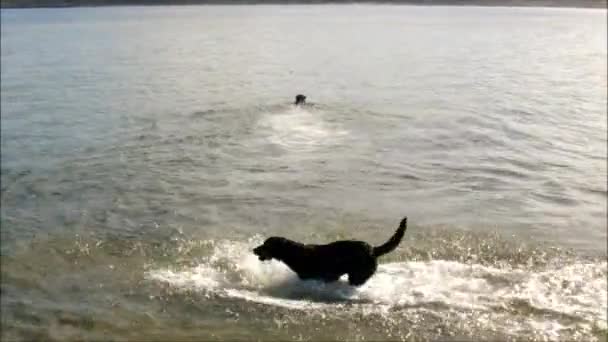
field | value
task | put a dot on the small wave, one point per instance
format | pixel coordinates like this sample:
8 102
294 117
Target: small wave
555 197
595 191
501 172
203 113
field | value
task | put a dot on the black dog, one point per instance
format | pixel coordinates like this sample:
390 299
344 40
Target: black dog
329 262
300 100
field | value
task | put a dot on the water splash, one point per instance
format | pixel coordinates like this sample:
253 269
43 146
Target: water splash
500 297
300 129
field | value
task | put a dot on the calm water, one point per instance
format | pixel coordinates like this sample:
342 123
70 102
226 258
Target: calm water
146 150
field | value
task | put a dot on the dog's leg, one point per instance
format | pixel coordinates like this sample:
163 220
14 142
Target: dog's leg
331 278
359 277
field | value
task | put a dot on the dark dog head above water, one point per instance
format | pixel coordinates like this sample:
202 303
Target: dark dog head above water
273 247
300 99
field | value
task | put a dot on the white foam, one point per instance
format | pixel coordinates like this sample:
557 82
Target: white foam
201 277
299 129
233 271
578 290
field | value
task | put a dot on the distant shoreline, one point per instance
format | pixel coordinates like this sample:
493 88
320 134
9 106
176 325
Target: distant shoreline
16 4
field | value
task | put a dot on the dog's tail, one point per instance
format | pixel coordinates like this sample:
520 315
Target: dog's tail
393 242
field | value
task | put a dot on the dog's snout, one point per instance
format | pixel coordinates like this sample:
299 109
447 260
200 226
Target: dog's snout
262 252
259 250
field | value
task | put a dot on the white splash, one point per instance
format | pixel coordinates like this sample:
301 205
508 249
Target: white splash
578 290
299 129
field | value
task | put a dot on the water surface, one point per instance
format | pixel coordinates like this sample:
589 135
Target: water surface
146 150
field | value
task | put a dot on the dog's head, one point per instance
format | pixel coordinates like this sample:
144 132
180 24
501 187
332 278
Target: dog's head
271 248
300 99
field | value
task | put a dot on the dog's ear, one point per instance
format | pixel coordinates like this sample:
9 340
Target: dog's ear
274 244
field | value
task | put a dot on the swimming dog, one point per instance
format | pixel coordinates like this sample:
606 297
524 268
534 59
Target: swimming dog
300 100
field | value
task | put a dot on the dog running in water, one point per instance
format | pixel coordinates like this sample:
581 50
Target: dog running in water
329 262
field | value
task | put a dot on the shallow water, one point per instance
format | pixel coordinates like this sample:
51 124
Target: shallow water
145 151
